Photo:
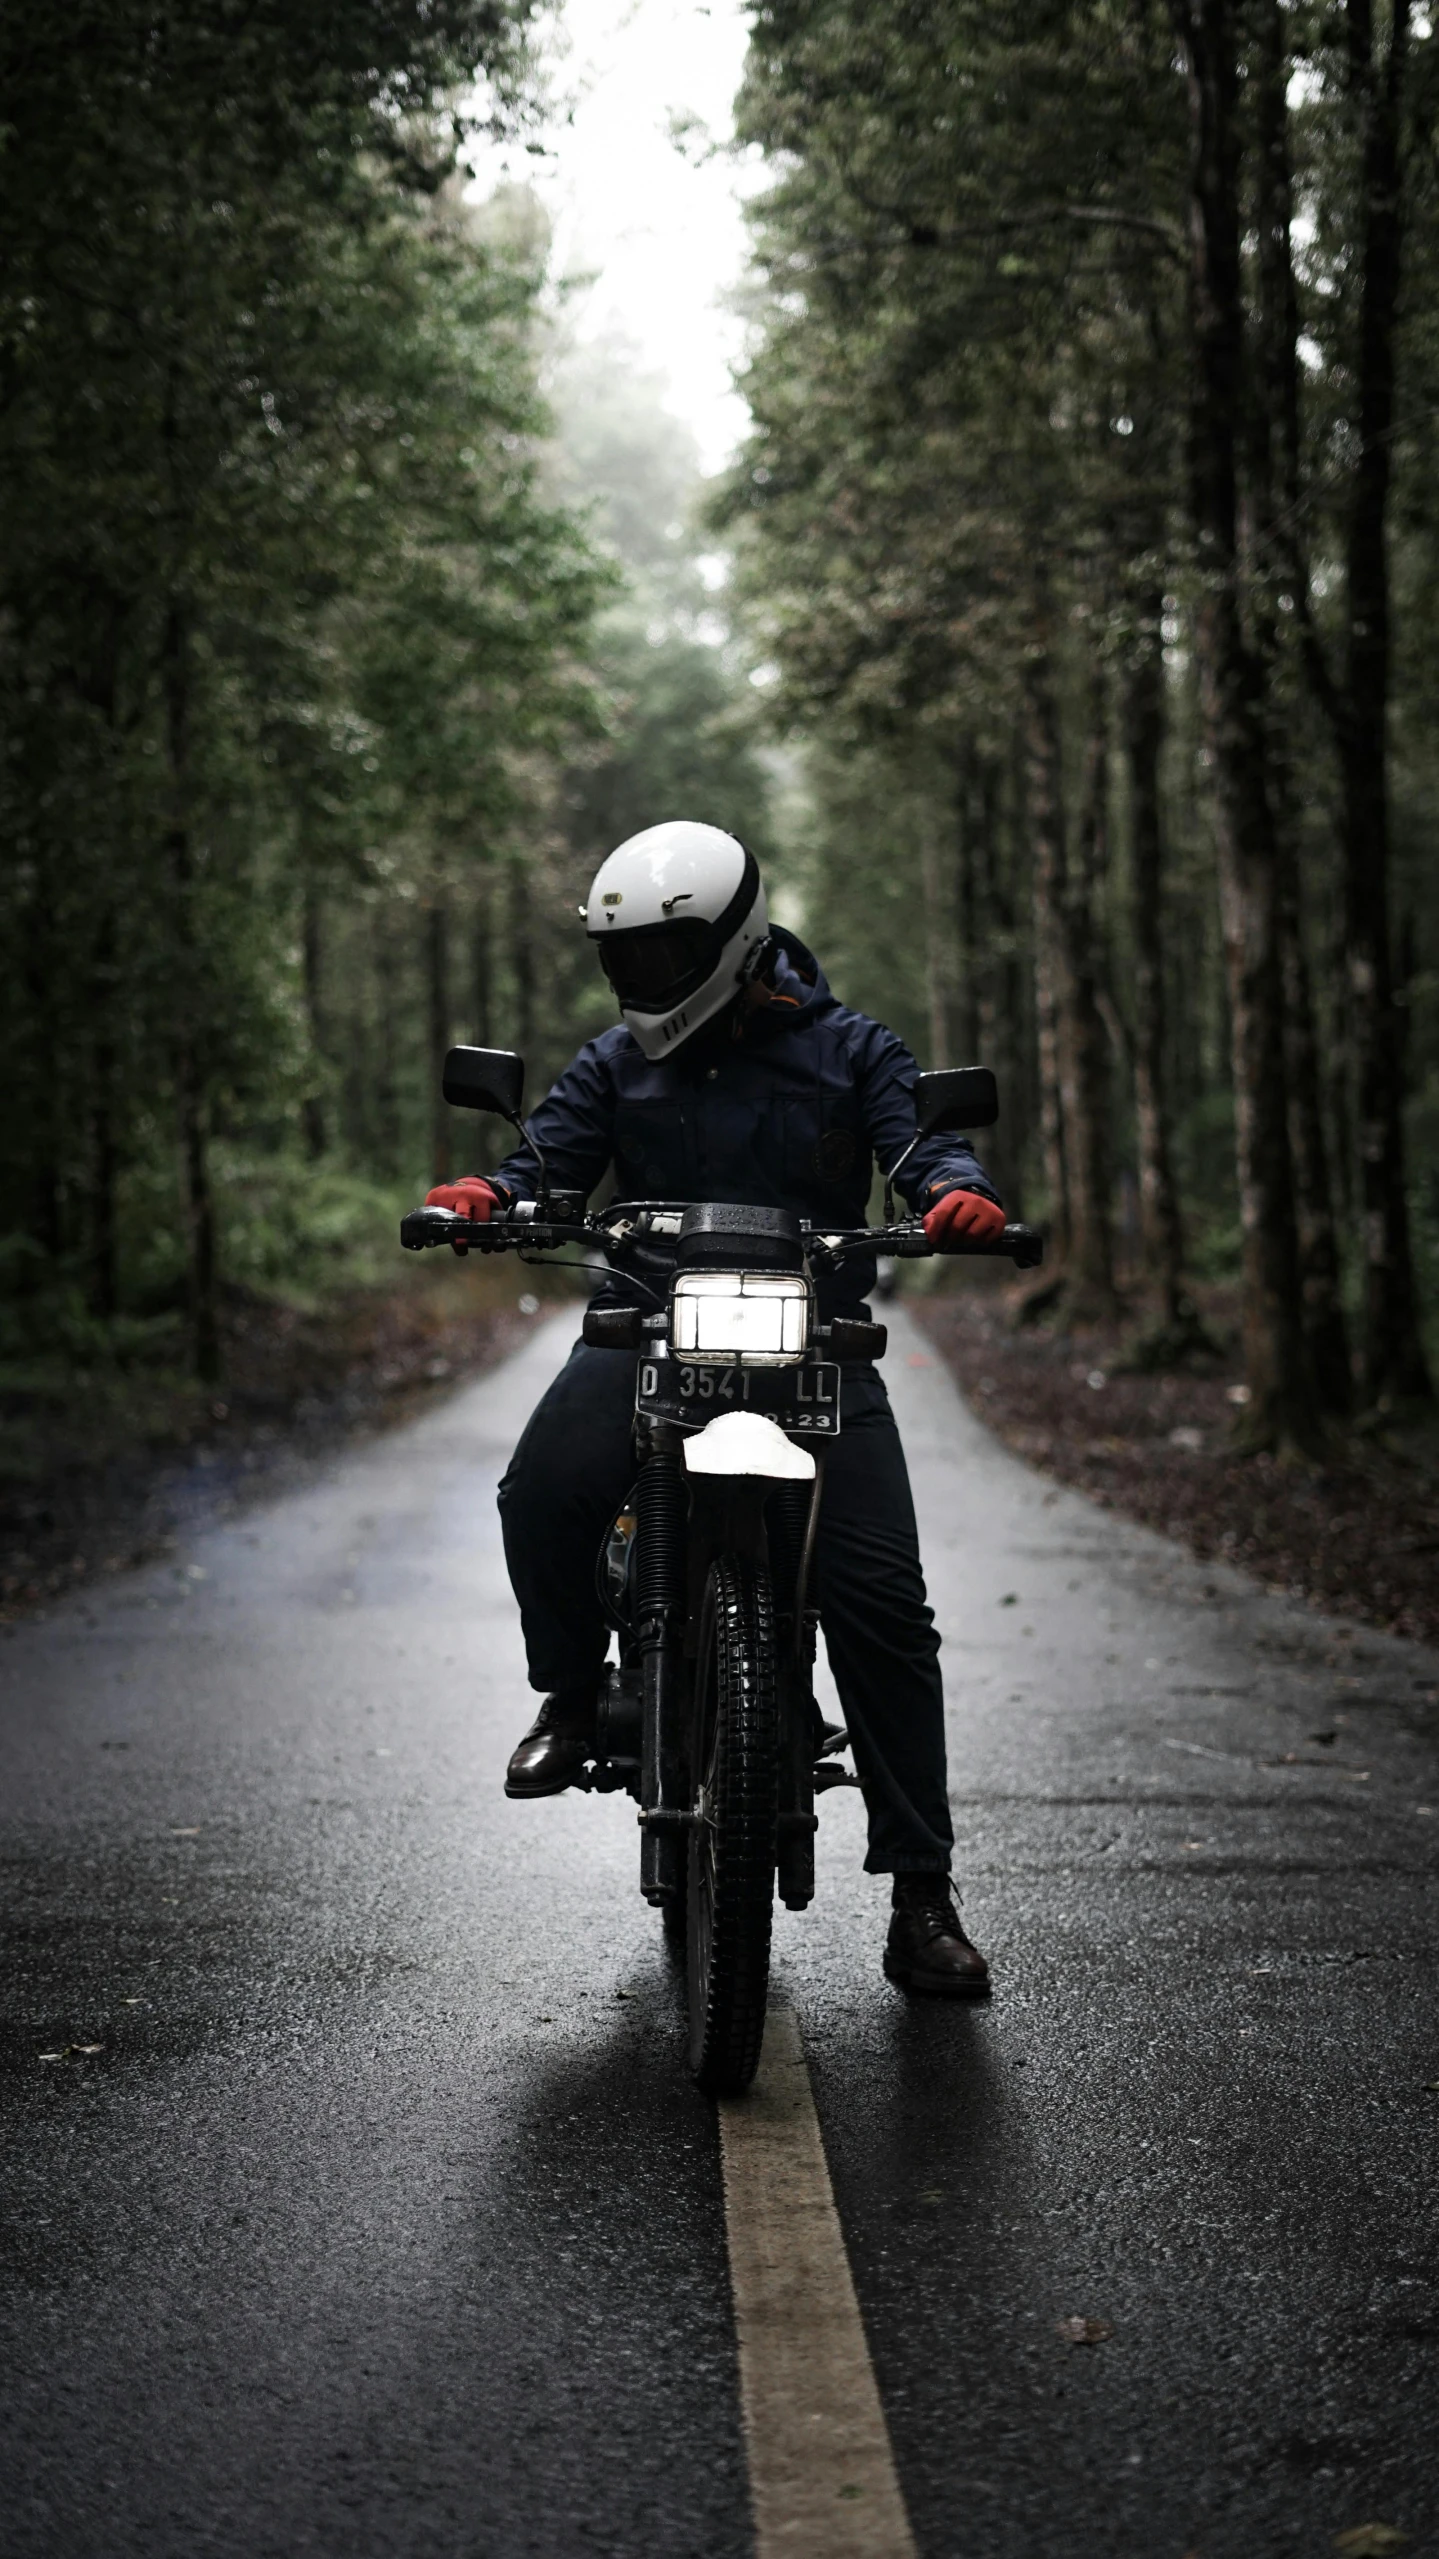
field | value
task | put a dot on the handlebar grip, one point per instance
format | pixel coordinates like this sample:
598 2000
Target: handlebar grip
419 1228
1022 1245
422 1227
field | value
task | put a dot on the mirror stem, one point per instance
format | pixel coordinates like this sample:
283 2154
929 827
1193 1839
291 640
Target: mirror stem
533 1144
897 1166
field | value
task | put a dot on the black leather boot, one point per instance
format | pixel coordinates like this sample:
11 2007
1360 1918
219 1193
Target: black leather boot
554 1750
927 1949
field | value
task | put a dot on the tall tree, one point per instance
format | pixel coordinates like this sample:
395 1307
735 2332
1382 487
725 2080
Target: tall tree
1283 1408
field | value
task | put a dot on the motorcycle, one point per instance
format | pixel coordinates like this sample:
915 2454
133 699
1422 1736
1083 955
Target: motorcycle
708 1717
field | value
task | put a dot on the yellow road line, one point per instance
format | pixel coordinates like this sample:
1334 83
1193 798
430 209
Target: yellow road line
822 2474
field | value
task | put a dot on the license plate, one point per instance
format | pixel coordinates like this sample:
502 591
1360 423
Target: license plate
693 1391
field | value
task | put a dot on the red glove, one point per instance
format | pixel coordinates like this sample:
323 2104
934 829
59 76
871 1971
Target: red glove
962 1217
468 1198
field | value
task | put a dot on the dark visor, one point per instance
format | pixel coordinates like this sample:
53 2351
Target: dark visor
658 965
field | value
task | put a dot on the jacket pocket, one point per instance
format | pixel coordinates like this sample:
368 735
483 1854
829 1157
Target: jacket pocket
651 1153
824 1144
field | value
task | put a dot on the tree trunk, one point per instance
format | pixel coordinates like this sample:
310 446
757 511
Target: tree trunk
391 962
42 1100
104 1288
1045 811
1142 718
975 957
936 937
1339 1080
1394 1363
1320 1278
995 998
200 1202
312 966
1275 489
189 1074
1282 1409
1084 1041
482 963
437 994
522 959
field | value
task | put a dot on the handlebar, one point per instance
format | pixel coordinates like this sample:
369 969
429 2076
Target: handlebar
423 1228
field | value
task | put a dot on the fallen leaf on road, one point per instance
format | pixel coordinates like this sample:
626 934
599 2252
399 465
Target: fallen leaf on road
1083 2332
1010 1599
1370 2540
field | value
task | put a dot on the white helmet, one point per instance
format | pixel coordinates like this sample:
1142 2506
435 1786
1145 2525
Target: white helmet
679 916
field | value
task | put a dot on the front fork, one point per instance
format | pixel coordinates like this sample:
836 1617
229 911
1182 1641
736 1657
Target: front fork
792 1520
661 1530
777 1524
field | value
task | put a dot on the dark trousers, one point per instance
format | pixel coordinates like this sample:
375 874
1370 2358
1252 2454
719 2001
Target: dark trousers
570 1473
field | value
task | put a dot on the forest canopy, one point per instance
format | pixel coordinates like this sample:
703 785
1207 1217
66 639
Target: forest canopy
317 678
1087 520
1072 677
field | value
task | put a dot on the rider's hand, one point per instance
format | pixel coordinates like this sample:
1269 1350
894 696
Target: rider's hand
468 1198
962 1217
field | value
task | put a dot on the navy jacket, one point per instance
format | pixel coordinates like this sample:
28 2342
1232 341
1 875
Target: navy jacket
791 1114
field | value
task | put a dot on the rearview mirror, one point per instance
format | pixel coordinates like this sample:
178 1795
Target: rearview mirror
485 1079
957 1097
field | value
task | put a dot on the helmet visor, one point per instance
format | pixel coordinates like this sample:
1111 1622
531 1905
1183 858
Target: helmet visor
656 966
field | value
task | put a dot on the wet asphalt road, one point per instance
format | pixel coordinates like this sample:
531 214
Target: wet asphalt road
384 2219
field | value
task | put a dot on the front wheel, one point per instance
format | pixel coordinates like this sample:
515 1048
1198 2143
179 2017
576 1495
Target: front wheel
732 1843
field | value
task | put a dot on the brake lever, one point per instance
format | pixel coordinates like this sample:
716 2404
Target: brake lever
1022 1245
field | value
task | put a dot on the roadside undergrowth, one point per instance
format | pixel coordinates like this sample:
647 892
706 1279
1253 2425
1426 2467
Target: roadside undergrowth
108 1465
1357 1533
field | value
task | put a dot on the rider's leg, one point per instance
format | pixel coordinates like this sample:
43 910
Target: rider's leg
566 1480
880 1635
884 1652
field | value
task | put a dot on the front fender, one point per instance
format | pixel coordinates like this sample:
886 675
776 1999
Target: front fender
733 1466
747 1444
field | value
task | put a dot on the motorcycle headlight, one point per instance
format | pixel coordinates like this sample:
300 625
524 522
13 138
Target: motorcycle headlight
745 1315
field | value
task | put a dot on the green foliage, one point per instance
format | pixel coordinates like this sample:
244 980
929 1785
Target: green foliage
283 609
963 509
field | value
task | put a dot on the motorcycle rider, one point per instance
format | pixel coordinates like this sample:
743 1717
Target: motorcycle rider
735 1075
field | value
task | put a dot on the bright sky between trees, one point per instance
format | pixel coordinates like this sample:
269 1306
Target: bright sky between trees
659 227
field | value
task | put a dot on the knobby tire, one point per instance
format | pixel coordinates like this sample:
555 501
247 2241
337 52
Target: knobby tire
732 1847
